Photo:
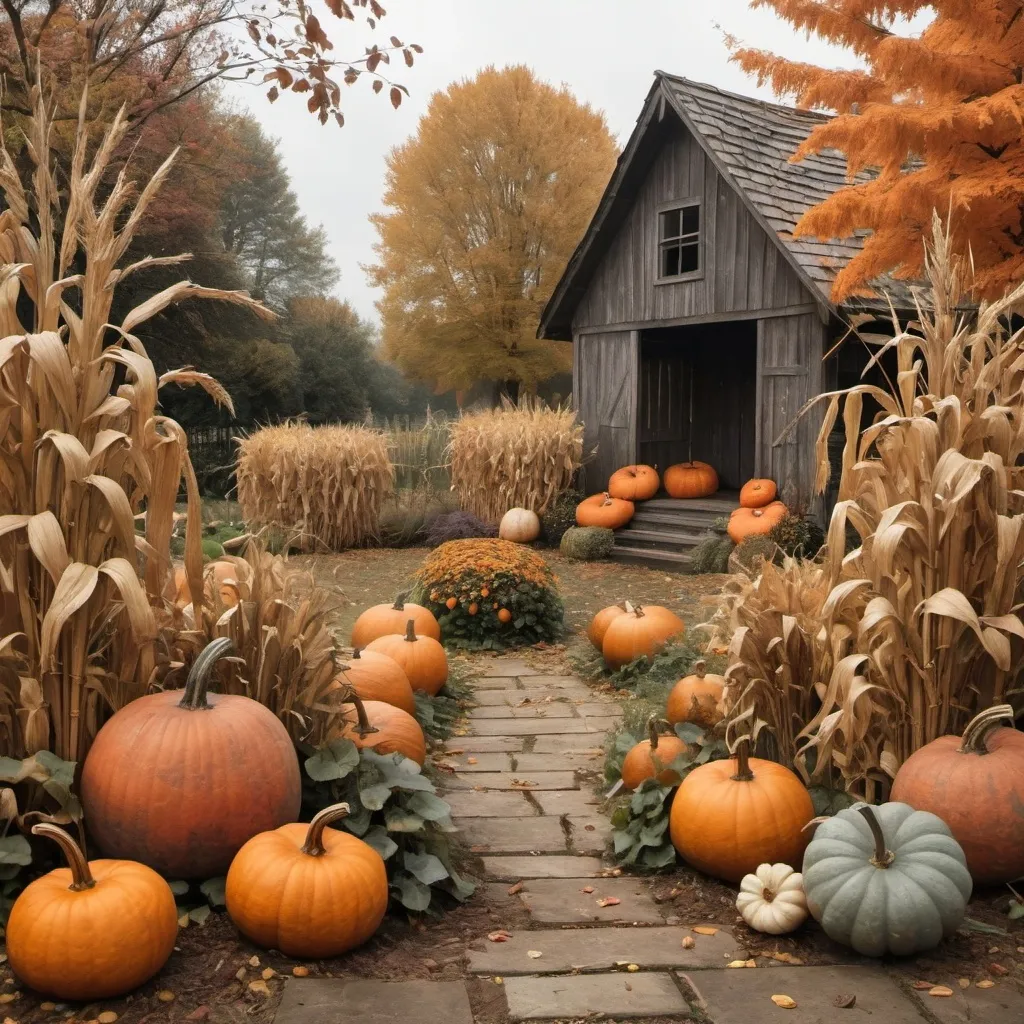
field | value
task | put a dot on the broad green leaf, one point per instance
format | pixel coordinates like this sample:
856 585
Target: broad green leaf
622 841
620 817
213 890
398 819
1016 911
198 915
659 858
424 866
15 849
688 732
179 888
378 838
374 798
428 806
412 894
333 762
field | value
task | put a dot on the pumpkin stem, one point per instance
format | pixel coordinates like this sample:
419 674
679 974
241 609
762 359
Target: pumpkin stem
883 857
314 844
400 599
975 737
700 668
410 631
355 653
194 697
743 772
363 726
81 876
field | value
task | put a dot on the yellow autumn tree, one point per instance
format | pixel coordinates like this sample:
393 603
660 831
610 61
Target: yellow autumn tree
936 115
485 204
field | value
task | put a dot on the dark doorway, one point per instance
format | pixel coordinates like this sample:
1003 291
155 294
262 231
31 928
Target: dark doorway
698 398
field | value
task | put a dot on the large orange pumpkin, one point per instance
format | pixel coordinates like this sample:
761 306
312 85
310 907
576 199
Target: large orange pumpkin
696 697
310 891
601 621
651 757
180 780
729 817
634 483
975 783
639 631
690 480
93 930
755 522
422 658
385 619
375 676
604 510
757 493
383 728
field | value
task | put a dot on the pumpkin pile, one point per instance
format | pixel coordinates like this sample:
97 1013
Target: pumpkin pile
623 633
489 593
759 513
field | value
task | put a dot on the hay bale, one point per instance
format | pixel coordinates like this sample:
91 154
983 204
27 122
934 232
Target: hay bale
323 485
518 456
587 543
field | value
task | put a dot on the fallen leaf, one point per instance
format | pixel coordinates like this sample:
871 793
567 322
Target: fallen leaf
689 942
254 961
3 958
845 1002
632 968
240 974
741 963
785 1002
588 889
922 986
471 760
589 828
107 1017
787 958
500 936
985 983
998 970
165 995
964 982
300 972
47 1006
260 987
455 752
268 973
8 997
609 901
498 981
517 888
994 949
534 954
703 929
183 920
943 991
522 783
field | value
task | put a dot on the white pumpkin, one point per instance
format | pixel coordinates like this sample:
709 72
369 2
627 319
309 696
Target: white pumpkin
519 525
772 899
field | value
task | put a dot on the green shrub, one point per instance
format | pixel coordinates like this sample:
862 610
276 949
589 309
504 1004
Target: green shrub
748 556
711 554
587 543
561 516
798 536
212 549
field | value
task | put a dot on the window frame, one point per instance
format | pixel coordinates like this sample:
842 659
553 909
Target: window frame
666 207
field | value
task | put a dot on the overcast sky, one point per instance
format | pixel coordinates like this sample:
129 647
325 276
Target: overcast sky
606 51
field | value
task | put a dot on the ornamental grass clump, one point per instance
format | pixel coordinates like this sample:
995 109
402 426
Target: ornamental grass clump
518 456
490 594
325 485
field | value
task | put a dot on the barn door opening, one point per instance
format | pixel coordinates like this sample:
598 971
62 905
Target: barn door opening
697 398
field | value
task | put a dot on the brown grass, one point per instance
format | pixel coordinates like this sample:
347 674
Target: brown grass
324 486
518 456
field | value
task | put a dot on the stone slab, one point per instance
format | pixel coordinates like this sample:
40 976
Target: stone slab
556 683
513 869
1002 1004
601 710
555 744
493 683
617 995
482 762
592 760
554 709
575 801
509 667
600 949
742 997
508 780
484 744
528 726
490 805
589 834
517 835
326 1000
497 698
560 901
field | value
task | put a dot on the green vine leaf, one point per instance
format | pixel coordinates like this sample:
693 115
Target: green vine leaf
333 762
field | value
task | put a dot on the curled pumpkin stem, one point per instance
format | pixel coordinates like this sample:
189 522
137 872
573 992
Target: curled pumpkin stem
654 724
743 772
400 600
363 726
883 856
81 876
194 697
700 668
314 844
981 726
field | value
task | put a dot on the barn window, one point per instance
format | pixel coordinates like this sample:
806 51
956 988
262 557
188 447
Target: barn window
679 240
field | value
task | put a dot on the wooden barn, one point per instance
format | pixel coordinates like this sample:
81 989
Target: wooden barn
700 325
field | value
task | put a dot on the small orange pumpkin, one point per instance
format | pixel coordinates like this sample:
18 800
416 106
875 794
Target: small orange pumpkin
690 480
652 756
310 891
601 621
93 930
383 728
504 615
755 522
375 676
604 510
385 619
634 483
639 631
421 657
757 493
696 698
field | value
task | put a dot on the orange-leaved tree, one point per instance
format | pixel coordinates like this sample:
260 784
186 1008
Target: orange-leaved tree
937 113
486 203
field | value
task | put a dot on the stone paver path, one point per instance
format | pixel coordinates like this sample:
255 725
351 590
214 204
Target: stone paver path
597 945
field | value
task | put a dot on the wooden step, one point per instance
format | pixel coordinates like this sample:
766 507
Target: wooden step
675 520
676 539
720 506
653 558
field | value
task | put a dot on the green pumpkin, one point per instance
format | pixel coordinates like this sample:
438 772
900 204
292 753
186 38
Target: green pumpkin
886 879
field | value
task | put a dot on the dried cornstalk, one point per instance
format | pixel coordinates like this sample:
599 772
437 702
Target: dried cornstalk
84 451
518 456
322 485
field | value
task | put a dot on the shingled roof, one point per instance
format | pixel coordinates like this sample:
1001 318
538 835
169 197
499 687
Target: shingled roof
750 142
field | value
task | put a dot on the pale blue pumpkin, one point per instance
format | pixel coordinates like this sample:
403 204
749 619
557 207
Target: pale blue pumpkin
886 879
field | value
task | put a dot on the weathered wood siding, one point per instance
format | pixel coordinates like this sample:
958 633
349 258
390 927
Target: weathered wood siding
605 390
789 372
743 268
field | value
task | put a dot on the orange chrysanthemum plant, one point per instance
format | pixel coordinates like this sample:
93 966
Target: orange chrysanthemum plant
937 112
490 594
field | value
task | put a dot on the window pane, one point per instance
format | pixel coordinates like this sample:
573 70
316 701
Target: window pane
670 223
689 259
669 261
691 219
